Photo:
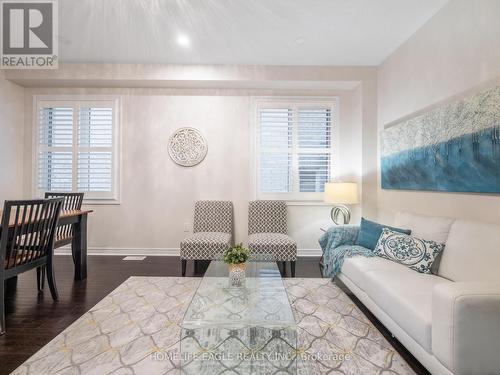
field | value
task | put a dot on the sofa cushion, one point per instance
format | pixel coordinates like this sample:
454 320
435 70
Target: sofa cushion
406 296
355 268
410 251
431 228
370 231
472 252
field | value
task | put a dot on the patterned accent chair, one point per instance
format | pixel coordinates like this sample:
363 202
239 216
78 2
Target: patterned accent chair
212 232
267 232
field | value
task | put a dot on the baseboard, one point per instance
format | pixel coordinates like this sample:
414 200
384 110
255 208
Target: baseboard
66 250
122 251
309 252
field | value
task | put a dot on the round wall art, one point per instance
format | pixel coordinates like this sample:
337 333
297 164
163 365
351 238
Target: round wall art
187 147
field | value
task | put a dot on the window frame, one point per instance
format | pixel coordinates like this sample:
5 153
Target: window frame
294 102
76 101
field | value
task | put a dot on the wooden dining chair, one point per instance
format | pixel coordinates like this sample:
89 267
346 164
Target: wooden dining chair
72 202
64 233
28 230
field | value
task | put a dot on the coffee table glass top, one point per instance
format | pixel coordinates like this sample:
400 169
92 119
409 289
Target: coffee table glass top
239 330
262 300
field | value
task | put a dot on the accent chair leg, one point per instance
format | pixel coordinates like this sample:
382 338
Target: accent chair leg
292 268
183 266
283 265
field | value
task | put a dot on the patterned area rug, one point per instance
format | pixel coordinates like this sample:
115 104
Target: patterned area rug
136 330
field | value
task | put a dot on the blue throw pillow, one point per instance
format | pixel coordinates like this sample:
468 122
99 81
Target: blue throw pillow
370 231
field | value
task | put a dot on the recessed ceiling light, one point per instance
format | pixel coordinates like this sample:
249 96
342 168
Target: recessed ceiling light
300 40
183 40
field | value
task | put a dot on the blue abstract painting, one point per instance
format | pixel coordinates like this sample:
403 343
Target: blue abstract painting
454 148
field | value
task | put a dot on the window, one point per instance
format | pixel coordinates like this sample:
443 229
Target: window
295 144
77 148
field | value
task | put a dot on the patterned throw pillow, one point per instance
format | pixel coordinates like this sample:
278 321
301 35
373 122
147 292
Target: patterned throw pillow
410 251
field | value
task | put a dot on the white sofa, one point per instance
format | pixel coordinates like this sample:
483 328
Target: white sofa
449 321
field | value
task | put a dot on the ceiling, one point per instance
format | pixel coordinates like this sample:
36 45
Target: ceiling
268 32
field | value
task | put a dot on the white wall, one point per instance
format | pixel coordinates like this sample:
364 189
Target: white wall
11 139
454 52
157 196
457 50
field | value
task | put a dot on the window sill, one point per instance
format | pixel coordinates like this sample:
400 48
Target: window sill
101 202
307 203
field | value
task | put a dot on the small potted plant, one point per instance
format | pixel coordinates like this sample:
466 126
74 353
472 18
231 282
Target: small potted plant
236 258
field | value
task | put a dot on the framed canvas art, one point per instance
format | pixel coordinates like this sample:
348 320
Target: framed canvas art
453 148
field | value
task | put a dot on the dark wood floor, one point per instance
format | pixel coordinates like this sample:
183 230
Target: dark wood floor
33 319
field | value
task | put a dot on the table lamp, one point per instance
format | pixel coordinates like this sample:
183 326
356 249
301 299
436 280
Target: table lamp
341 194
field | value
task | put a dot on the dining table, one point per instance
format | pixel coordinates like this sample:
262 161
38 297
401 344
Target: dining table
77 218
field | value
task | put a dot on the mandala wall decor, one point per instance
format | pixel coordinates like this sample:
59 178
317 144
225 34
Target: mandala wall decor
187 147
453 148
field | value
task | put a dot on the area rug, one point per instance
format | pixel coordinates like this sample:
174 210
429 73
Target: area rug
136 330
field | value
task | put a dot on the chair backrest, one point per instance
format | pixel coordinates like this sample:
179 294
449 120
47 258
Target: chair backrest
28 230
213 216
267 217
72 202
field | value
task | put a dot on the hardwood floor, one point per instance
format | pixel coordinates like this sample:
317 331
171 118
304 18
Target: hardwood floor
33 319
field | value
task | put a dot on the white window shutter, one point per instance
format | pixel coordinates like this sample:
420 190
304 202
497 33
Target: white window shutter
55 140
95 171
275 164
95 149
314 172
315 128
77 148
95 127
55 171
315 142
295 148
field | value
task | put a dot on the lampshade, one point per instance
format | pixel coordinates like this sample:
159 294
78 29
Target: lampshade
341 192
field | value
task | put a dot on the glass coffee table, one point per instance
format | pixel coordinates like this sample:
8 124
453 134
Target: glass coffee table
241 330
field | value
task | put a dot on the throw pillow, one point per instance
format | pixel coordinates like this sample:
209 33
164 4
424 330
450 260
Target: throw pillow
370 231
410 251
